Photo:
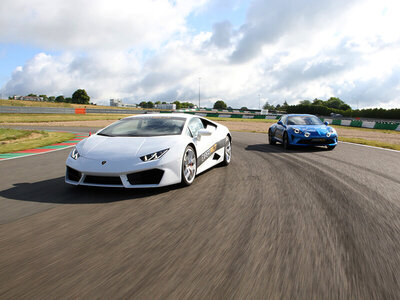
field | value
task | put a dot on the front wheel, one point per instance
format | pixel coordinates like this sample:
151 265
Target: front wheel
270 138
189 166
330 147
285 143
227 151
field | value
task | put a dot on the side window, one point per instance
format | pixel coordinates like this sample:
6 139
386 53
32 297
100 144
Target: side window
195 125
284 120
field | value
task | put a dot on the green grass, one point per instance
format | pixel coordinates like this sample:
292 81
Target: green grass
364 129
4 102
13 134
21 141
242 120
370 143
36 118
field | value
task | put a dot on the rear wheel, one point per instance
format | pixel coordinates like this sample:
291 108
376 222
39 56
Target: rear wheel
285 143
270 138
227 152
189 166
330 147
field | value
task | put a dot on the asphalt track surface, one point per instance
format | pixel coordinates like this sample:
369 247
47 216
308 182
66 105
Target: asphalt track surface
274 224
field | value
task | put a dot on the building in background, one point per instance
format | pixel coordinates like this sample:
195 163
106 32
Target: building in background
28 98
116 102
166 106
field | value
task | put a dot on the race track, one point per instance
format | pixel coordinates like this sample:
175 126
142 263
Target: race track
274 224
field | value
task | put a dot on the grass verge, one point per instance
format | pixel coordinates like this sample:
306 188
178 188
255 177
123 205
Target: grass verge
34 139
37 118
13 134
370 143
242 120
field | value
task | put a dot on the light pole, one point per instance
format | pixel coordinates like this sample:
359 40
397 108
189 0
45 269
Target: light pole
199 91
259 101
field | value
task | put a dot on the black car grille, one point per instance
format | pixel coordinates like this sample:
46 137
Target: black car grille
109 180
317 141
73 174
153 176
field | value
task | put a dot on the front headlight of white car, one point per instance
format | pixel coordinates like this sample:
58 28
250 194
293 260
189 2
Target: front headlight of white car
75 154
154 155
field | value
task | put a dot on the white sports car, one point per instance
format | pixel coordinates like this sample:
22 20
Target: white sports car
149 151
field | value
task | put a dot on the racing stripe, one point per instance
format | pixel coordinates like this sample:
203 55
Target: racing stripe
204 156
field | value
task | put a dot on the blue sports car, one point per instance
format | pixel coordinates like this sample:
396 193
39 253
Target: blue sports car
302 130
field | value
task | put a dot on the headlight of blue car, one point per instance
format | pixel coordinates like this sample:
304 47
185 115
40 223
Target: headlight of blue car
297 131
331 131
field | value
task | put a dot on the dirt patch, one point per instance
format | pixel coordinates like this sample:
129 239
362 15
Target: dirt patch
260 127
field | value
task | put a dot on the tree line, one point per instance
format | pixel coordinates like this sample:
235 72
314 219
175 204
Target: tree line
335 106
78 97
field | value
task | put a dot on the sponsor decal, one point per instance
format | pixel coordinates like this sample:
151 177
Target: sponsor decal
207 154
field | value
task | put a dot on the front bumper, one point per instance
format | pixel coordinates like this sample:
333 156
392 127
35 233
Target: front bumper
313 140
90 172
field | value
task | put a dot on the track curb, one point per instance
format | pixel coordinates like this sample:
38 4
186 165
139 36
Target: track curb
45 149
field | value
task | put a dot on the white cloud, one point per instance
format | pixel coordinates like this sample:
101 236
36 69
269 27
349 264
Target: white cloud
286 50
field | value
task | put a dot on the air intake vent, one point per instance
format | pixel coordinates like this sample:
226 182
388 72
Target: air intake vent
73 174
109 180
153 176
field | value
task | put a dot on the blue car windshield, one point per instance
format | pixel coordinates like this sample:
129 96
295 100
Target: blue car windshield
304 120
145 126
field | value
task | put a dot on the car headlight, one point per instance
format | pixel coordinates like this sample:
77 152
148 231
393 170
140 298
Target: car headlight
306 134
75 154
297 131
154 155
330 132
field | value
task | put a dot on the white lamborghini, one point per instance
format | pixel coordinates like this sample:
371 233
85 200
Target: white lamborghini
149 151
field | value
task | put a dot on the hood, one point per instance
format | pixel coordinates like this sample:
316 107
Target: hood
319 129
120 148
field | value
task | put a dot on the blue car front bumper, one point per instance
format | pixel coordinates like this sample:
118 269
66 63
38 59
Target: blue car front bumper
312 140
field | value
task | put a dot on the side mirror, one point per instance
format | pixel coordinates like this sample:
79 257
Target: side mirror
326 123
204 132
280 123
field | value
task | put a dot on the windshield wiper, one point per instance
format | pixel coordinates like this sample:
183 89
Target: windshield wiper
104 134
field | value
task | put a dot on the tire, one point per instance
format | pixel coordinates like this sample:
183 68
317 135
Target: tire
270 138
189 166
330 147
227 152
285 142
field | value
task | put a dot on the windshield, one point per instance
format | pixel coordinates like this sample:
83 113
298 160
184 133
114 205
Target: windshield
304 120
145 126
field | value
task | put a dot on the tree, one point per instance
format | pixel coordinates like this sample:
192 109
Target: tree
220 105
59 99
150 104
68 100
317 102
177 103
143 104
305 102
244 108
52 98
158 102
32 95
45 98
268 106
80 96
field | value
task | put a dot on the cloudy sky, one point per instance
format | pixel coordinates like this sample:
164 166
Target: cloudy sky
243 50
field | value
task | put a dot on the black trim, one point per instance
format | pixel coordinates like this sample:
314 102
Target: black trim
73 174
152 176
206 155
109 180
